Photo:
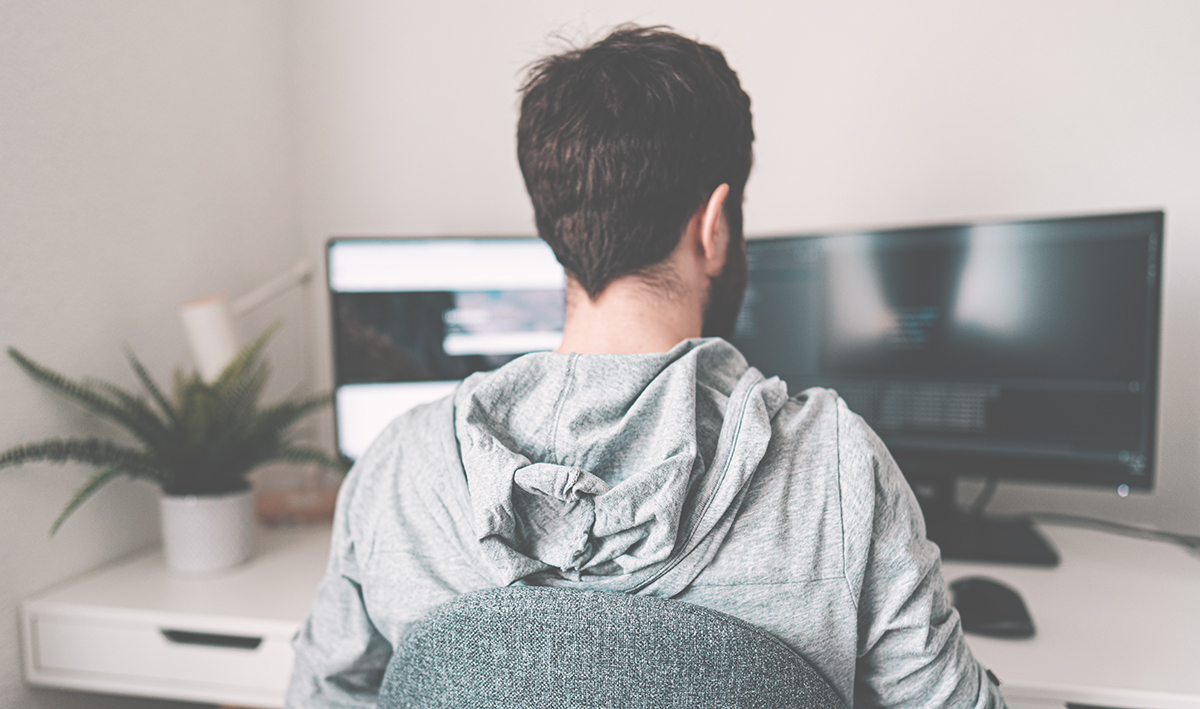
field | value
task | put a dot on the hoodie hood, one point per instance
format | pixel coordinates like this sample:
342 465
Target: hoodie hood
620 472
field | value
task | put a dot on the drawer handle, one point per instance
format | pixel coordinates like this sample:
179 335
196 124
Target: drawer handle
186 637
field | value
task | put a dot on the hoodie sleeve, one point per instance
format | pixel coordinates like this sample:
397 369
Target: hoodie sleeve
911 649
340 655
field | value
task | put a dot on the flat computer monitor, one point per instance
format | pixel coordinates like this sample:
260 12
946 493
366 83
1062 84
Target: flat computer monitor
413 317
1024 349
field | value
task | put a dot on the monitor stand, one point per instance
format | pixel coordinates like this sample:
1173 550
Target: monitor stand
966 537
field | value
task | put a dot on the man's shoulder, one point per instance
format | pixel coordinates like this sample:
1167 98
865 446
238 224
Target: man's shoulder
825 409
817 431
814 411
413 444
804 443
421 426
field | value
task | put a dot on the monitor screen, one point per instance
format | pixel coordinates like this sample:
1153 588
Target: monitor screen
412 317
1023 349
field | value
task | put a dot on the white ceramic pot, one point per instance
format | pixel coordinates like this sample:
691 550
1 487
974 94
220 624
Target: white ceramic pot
207 532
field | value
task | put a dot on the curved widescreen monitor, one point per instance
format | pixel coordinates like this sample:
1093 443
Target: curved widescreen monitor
1025 349
412 317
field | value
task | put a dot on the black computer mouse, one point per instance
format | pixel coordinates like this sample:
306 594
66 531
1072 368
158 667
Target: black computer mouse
988 607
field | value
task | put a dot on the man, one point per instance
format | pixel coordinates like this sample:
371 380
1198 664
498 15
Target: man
639 457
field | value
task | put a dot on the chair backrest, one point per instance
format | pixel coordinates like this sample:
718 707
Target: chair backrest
545 647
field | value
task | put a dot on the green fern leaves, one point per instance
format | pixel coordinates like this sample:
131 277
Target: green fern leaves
203 440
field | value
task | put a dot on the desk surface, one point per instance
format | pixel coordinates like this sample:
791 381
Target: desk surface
1118 624
135 628
268 595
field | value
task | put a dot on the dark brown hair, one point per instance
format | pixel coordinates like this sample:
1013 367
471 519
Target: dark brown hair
621 141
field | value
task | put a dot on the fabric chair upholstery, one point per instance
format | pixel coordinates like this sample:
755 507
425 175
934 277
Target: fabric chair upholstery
544 647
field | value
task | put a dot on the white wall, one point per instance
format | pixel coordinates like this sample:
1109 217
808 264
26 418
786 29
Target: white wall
145 160
867 113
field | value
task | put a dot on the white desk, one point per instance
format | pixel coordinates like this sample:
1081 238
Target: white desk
1118 625
105 633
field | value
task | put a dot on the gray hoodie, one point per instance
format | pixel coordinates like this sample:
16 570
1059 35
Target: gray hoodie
686 475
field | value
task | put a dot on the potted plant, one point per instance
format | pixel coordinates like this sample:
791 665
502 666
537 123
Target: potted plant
198 446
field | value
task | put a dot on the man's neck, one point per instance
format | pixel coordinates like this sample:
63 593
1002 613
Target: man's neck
629 317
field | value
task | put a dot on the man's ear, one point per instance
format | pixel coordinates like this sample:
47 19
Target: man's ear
714 231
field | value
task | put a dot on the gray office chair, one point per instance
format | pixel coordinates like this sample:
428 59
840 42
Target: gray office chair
521 647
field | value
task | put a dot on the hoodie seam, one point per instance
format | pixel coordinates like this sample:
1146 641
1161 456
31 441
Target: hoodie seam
451 453
563 395
837 437
737 433
740 584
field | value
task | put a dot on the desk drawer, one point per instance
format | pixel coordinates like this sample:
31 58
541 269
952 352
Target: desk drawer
144 653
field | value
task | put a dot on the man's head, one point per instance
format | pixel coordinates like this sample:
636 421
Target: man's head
620 144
